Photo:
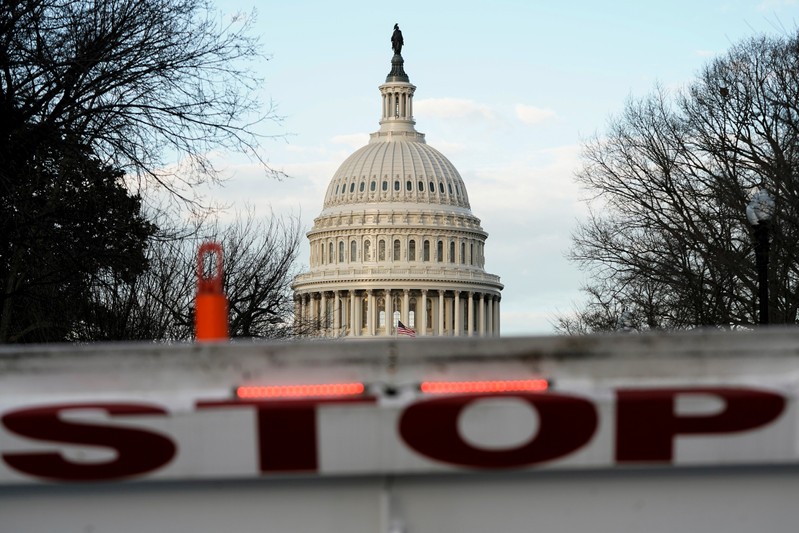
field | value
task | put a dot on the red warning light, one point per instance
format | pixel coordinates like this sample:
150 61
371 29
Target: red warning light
464 387
256 392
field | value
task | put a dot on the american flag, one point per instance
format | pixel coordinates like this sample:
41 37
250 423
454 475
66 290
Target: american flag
402 330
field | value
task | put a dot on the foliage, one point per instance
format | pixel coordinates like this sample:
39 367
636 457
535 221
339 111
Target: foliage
667 239
67 220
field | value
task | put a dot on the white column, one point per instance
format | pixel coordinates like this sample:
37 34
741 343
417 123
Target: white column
441 313
457 306
370 311
353 308
490 318
496 316
387 308
336 313
470 314
314 312
423 330
482 328
406 306
323 312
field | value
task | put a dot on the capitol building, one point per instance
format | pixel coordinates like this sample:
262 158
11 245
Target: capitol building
396 240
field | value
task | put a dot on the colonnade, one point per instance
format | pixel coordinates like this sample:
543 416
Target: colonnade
374 312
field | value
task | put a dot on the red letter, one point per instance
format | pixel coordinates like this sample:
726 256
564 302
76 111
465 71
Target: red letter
431 428
138 451
287 440
646 423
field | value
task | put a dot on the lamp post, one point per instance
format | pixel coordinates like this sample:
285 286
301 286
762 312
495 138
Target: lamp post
759 212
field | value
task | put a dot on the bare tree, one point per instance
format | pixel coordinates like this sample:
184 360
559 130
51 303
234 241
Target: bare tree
130 79
95 93
667 238
259 266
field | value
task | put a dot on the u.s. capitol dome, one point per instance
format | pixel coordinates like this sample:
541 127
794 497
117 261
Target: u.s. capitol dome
396 241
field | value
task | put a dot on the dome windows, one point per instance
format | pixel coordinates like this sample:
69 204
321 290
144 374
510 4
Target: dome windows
412 248
352 187
421 186
373 186
409 185
385 185
440 187
361 187
396 185
432 187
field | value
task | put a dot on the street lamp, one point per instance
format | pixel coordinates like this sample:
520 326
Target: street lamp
759 212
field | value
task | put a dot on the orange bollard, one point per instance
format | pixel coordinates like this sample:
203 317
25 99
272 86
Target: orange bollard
211 311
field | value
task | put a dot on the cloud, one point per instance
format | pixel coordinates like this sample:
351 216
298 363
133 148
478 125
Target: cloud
533 115
775 5
451 108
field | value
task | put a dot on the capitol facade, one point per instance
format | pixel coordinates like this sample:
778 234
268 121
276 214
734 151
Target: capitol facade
396 240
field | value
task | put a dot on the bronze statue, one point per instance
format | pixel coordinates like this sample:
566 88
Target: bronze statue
396 40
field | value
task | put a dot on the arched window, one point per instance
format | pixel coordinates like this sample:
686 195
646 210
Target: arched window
385 185
330 256
322 252
440 187
449 186
352 187
421 186
396 185
409 185
412 250
451 251
367 248
381 315
361 187
471 253
340 251
463 253
432 187
440 251
372 186
426 251
397 255
381 250
396 320
353 251
412 314
337 186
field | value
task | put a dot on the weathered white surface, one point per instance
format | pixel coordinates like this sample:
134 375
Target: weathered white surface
728 501
741 482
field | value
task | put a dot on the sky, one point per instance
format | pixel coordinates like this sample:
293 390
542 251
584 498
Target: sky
507 90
